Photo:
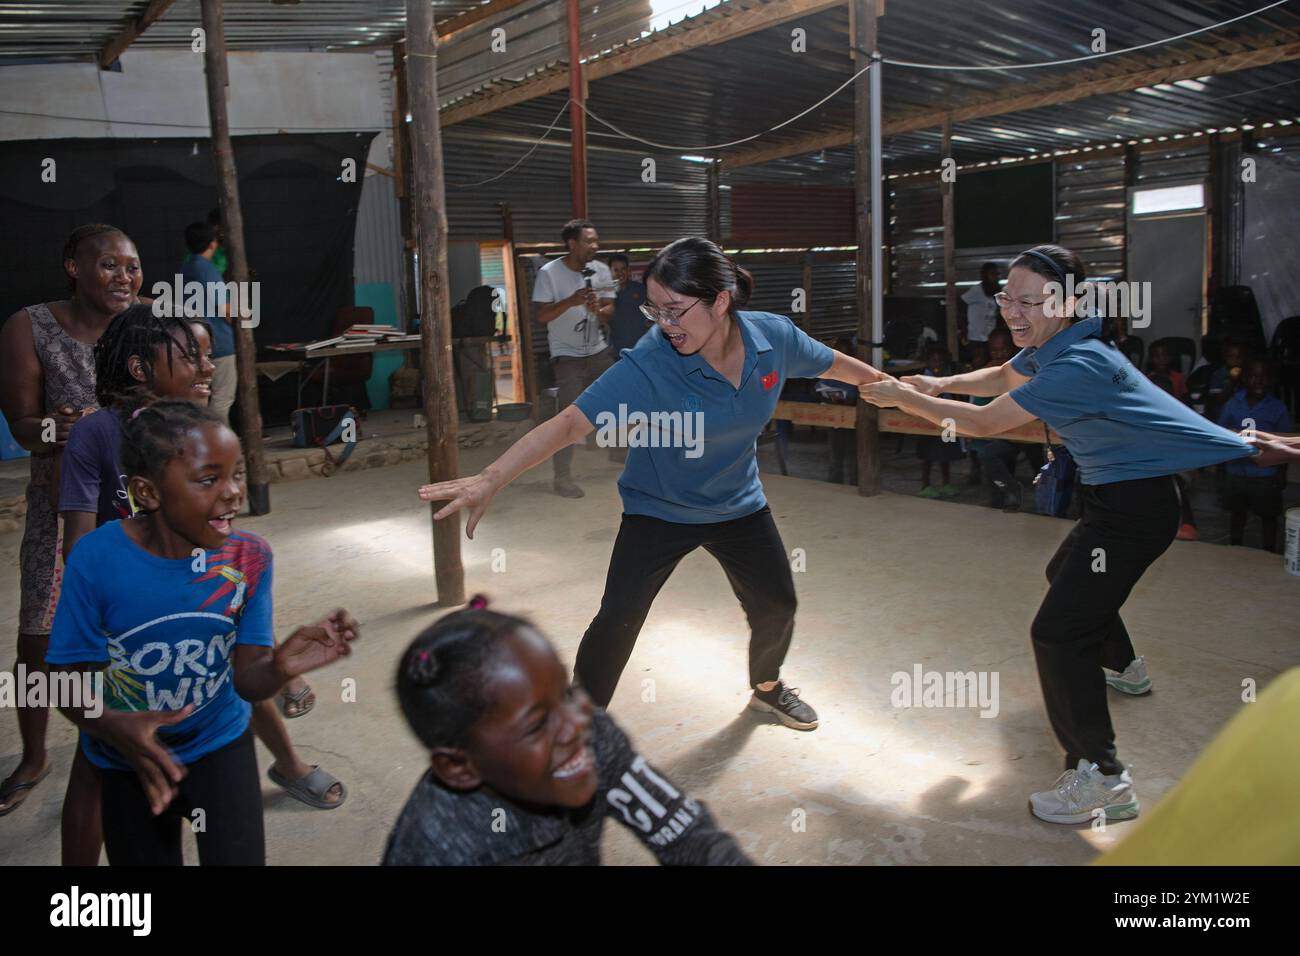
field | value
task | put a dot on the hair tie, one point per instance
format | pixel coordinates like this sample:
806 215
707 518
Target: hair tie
478 602
423 656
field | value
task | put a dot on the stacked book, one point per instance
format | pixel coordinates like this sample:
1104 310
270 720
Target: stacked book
352 337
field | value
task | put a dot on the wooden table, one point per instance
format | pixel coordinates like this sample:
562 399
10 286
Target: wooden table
893 420
310 359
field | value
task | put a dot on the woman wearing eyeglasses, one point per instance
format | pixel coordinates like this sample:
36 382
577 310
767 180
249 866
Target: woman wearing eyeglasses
1129 438
711 367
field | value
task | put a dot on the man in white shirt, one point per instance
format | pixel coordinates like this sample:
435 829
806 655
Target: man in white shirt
574 298
981 314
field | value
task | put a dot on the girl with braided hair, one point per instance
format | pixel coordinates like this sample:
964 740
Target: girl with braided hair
523 770
183 657
48 383
144 357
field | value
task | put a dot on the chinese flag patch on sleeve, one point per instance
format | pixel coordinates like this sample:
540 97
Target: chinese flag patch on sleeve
769 381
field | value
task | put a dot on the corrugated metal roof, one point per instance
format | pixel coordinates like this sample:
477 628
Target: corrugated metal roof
730 90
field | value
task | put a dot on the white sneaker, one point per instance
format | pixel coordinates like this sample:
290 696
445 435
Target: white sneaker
1080 793
1134 680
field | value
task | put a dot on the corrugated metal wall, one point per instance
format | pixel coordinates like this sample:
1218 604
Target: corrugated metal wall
1090 211
1089 219
624 207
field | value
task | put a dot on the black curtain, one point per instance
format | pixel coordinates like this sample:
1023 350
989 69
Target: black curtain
299 215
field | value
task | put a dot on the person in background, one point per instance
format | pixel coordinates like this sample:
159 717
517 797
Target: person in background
49 376
1253 489
997 455
1225 381
980 317
219 258
201 239
932 448
628 324
573 310
1161 371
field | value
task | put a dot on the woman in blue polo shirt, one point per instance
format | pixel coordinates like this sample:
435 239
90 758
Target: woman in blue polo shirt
1129 439
689 401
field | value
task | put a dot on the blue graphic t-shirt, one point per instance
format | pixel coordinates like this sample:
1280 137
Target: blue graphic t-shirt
167 630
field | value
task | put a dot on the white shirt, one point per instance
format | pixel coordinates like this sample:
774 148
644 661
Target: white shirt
981 313
575 332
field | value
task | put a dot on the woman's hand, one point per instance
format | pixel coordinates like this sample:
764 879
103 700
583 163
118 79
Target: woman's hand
926 384
473 493
886 393
133 734
312 647
1274 451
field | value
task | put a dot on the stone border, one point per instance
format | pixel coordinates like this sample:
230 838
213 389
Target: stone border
298 464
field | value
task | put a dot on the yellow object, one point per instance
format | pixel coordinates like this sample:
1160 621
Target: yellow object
1239 805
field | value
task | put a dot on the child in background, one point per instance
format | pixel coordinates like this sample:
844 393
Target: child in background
142 357
174 607
522 769
1161 371
1252 489
932 448
998 455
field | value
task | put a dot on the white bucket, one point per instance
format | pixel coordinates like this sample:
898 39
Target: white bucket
1291 551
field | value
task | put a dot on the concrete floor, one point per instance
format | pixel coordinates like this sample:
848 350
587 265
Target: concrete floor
891 582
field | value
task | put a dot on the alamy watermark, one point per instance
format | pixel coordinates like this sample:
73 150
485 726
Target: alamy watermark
1127 300
70 690
922 688
651 430
197 300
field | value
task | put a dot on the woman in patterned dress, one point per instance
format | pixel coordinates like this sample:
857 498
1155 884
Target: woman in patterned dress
46 351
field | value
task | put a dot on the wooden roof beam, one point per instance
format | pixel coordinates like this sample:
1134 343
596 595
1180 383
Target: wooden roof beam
725 25
1028 99
117 46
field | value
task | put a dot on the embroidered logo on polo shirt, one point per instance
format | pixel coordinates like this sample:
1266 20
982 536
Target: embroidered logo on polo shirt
769 381
692 403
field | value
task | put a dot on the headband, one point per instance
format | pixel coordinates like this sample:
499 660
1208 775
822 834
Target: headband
1050 263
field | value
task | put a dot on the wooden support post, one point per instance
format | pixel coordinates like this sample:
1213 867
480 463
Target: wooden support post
577 117
232 218
436 373
949 267
864 44
1131 160
523 313
402 160
713 203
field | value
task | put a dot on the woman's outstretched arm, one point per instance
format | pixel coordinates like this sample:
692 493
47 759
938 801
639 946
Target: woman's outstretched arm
476 491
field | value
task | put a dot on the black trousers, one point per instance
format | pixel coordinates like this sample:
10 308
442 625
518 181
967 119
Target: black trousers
1077 631
223 784
645 554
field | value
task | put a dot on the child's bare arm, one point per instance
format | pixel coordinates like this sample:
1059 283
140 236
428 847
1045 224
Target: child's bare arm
260 672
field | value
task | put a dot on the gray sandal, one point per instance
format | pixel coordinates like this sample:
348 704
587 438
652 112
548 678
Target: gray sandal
312 788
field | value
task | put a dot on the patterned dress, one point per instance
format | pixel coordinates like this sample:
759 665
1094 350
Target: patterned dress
69 371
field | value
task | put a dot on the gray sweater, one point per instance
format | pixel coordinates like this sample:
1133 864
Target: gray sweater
443 827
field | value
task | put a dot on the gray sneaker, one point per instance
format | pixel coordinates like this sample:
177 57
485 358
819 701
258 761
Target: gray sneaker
1134 680
784 702
1082 794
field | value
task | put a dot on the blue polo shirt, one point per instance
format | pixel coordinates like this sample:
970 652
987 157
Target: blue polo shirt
1116 422
691 435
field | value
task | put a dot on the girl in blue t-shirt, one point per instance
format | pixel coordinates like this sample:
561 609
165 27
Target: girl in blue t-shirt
142 357
689 401
173 609
1129 439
